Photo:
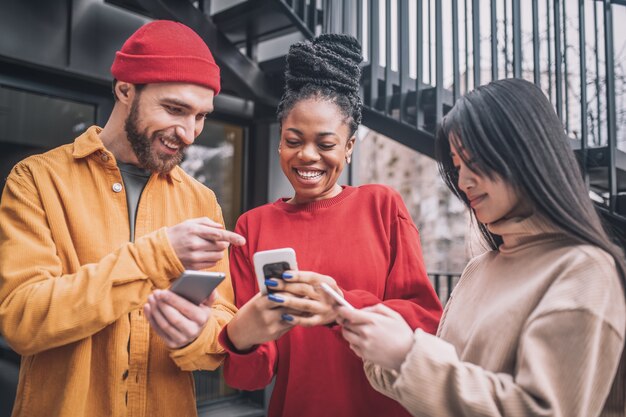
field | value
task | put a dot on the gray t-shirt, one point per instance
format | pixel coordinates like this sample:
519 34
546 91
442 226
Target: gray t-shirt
135 179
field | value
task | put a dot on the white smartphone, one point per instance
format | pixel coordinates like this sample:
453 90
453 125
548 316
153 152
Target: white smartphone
197 286
272 264
330 291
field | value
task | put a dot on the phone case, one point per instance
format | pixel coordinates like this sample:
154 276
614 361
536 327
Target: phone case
273 263
197 286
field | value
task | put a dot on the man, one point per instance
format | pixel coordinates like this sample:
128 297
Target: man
89 230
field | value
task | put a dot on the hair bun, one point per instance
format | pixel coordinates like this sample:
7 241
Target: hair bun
330 60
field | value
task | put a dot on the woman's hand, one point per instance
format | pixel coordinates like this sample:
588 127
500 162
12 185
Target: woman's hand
258 321
377 334
307 304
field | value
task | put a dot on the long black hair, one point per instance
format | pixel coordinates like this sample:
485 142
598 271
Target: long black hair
510 129
325 68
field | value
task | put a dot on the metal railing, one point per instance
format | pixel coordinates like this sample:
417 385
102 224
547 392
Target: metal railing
444 283
423 54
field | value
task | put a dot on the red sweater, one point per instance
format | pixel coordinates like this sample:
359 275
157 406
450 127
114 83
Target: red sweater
364 238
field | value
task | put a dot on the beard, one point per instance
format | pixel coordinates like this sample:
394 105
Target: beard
141 144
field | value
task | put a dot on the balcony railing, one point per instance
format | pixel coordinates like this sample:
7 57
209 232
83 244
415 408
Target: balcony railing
421 55
444 283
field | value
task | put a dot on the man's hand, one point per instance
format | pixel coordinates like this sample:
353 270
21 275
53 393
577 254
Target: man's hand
200 243
177 321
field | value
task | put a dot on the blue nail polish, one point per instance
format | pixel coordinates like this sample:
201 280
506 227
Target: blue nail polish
271 283
287 275
287 317
275 298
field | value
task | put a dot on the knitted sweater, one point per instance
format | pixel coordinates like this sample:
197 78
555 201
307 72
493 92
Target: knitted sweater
364 238
535 328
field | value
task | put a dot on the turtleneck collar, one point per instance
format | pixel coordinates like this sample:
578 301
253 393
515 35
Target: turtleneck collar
519 232
315 205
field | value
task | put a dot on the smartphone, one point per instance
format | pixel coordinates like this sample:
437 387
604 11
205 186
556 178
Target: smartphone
197 286
272 264
330 291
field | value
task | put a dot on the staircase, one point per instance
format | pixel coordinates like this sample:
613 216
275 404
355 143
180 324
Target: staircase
406 94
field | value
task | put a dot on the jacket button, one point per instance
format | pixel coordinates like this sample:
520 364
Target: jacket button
104 157
117 187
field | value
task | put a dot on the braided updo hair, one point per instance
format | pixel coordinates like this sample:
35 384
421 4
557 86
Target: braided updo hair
325 68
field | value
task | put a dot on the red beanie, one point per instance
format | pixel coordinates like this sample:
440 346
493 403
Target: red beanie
165 51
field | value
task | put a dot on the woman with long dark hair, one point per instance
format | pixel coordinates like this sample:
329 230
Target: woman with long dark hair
535 326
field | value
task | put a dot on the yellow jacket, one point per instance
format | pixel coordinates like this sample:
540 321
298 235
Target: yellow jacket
72 286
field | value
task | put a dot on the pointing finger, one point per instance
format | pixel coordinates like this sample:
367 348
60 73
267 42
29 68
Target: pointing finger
212 233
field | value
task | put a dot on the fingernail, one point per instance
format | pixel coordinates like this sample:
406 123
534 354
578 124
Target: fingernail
287 275
287 317
275 298
271 283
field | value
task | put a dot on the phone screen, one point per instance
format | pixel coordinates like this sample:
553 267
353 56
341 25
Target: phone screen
275 270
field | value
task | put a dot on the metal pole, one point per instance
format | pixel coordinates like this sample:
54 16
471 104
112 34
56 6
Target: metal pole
466 49
610 103
549 44
597 44
583 85
419 57
456 90
388 83
557 60
536 44
374 53
565 74
517 39
359 21
506 41
438 62
430 48
494 40
475 39
403 53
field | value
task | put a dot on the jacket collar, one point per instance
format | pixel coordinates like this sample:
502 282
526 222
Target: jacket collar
89 143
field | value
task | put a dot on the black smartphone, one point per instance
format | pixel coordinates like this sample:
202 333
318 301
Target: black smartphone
197 286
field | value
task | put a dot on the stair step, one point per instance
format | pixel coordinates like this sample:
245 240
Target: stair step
597 167
615 222
257 20
621 206
133 6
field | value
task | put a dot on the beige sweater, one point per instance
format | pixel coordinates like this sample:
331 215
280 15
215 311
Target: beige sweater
534 329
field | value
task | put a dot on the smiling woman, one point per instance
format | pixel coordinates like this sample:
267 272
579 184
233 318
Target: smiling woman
360 240
315 146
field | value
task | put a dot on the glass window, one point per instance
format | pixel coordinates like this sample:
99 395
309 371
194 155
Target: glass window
215 159
38 120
